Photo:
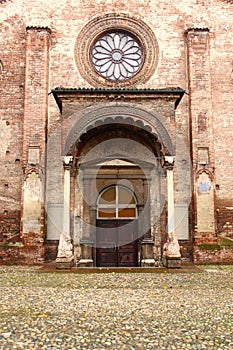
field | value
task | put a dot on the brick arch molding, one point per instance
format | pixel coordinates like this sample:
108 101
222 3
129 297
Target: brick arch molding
112 114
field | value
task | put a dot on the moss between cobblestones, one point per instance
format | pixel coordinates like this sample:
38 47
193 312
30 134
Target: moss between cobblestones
226 242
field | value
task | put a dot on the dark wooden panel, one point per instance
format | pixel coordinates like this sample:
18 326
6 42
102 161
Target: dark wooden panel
106 242
127 243
116 243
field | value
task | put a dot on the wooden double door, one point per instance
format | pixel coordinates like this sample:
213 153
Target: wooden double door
116 243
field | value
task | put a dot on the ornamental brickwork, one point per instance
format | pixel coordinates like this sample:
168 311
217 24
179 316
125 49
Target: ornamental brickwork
54 103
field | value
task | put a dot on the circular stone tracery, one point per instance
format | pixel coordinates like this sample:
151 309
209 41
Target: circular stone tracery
117 56
128 73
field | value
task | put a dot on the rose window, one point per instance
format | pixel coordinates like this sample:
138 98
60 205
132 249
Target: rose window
117 56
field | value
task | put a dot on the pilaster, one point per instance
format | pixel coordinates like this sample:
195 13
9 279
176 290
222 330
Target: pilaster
35 133
198 51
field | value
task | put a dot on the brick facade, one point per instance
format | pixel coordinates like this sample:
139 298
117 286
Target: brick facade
45 45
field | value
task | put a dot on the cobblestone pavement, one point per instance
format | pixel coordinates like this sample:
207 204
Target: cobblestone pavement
56 310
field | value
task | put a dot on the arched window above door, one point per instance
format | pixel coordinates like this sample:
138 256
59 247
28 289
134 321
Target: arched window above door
116 202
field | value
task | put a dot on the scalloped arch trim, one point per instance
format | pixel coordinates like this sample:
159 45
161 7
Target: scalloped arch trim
119 114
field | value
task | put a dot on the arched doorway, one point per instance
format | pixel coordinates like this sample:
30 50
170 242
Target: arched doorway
110 155
117 231
124 136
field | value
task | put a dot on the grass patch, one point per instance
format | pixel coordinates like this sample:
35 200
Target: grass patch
210 246
222 242
225 241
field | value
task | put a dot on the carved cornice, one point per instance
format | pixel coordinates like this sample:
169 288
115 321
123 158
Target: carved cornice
61 94
38 29
196 29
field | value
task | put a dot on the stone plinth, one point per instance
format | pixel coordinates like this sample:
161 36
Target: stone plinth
85 263
147 252
64 263
86 253
147 263
172 263
65 257
171 252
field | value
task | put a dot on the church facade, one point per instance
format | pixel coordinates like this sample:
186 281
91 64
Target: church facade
116 132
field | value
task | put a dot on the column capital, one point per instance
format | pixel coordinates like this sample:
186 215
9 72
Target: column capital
67 161
169 162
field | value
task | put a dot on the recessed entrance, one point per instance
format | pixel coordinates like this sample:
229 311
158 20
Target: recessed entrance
116 236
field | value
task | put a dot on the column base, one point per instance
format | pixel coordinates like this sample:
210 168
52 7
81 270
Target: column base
86 246
85 263
147 254
64 263
172 262
148 263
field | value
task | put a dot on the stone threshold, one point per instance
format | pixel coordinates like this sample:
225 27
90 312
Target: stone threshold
51 267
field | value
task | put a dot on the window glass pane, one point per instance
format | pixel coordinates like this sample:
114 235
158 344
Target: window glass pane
109 196
124 196
127 213
107 213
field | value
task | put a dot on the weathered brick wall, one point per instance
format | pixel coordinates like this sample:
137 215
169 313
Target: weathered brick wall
222 256
9 226
221 79
225 217
12 57
169 21
19 254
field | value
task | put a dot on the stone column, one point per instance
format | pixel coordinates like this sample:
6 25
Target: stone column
156 213
147 244
86 242
171 250
78 229
170 195
66 198
65 255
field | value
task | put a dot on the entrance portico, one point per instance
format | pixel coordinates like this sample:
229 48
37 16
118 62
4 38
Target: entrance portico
119 147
